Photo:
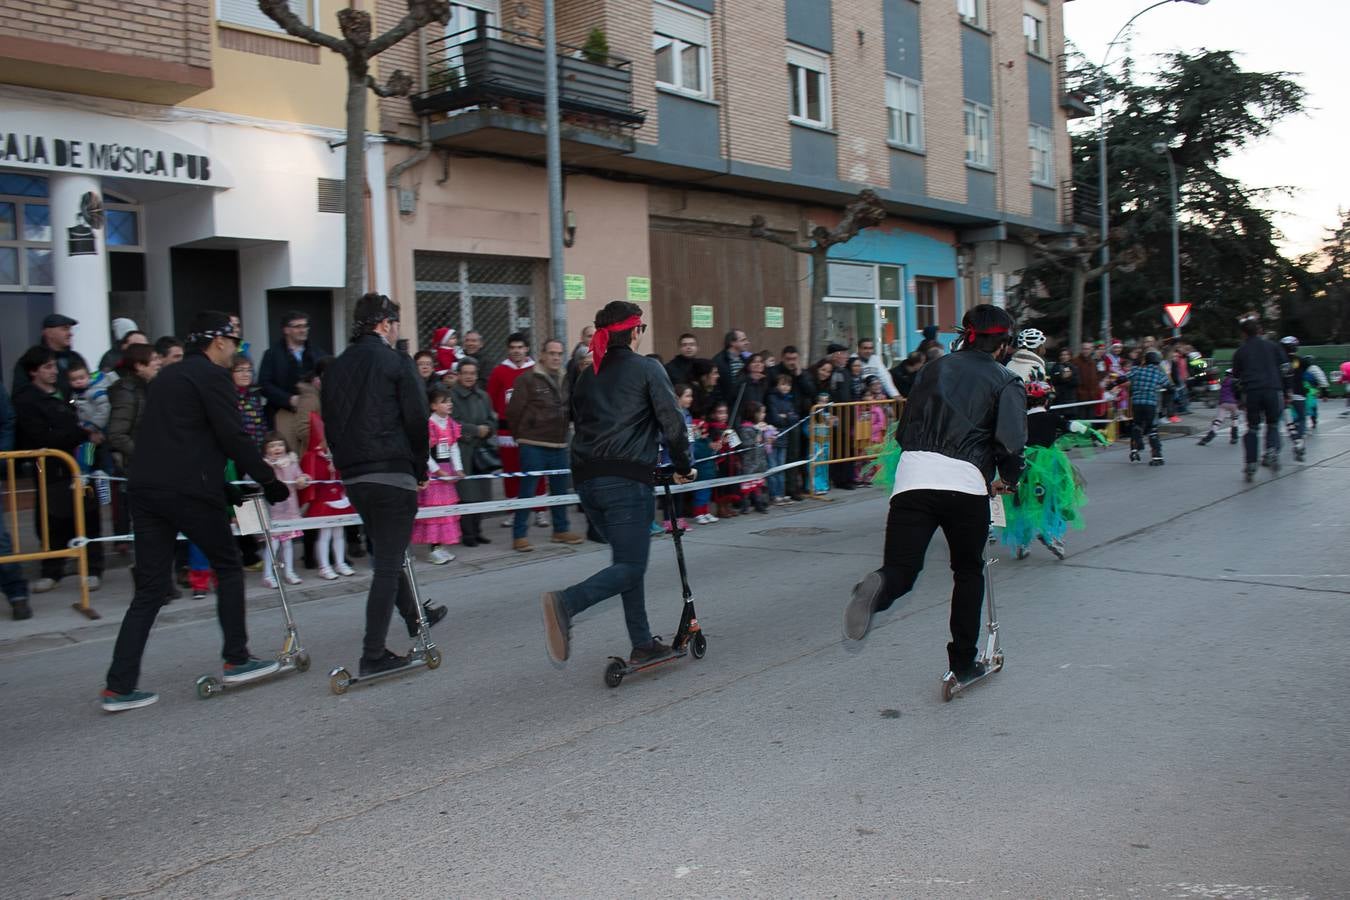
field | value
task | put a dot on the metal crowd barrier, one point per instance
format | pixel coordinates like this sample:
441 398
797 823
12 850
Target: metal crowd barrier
78 550
847 433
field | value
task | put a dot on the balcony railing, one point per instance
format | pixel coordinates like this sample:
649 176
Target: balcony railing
1075 89
1079 203
494 68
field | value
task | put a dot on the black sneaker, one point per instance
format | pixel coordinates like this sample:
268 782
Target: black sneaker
866 598
433 613
653 649
386 663
975 670
482 539
21 609
1134 456
1249 472
1206 439
468 541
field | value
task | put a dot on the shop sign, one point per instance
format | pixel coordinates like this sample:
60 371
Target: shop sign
574 287
773 317
639 289
700 317
852 281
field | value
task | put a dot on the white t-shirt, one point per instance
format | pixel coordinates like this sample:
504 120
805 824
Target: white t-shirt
919 470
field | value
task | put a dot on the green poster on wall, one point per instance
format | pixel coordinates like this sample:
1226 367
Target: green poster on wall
700 317
574 287
639 289
773 317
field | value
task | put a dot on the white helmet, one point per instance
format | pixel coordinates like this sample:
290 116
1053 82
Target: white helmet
1030 338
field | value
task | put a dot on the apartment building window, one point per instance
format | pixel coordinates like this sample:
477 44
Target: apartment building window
1042 144
904 112
978 130
247 14
809 83
680 40
925 303
973 12
1033 29
26 231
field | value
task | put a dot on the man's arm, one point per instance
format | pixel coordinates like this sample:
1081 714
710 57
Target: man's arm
1010 432
666 407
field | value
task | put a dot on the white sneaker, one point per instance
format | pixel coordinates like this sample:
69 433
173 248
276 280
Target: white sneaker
509 521
327 574
344 570
269 582
41 585
93 583
440 557
540 520
291 577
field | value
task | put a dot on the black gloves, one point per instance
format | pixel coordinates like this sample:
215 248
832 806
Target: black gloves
276 490
234 494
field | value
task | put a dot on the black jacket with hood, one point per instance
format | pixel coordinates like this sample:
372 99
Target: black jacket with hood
967 406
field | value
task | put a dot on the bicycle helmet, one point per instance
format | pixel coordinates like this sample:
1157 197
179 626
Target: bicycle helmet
1030 338
1037 390
1194 354
1289 340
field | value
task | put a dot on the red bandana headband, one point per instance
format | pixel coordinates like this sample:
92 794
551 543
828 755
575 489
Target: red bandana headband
600 340
998 329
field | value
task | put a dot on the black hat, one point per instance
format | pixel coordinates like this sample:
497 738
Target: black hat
56 320
837 348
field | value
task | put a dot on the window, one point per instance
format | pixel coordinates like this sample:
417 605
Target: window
973 12
809 83
247 14
680 39
925 303
1033 29
978 122
904 112
26 231
1042 144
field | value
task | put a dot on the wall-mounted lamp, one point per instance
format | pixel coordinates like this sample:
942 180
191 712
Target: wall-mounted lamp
569 228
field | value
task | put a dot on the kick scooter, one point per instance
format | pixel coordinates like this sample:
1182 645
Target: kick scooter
992 655
423 652
293 657
689 639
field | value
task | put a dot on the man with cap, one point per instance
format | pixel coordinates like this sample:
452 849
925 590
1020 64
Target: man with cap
56 337
963 432
623 409
375 415
190 427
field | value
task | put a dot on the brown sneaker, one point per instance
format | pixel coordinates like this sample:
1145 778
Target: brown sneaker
653 649
522 545
557 627
567 537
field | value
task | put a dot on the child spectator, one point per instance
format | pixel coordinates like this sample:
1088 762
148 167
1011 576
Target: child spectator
722 440
447 349
702 451
252 406
93 407
325 496
443 465
752 457
783 416
685 397
278 455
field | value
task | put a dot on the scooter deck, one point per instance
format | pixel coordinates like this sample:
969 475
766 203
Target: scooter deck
696 646
340 678
952 686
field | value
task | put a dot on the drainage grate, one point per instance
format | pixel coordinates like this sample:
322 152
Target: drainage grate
796 532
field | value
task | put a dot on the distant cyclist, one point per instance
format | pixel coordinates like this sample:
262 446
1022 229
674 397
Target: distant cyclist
1026 363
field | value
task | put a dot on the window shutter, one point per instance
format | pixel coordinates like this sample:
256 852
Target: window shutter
246 13
678 24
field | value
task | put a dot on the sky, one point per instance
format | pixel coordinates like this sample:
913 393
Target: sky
1304 37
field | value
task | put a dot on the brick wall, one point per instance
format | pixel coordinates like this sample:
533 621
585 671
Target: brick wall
1063 157
170 31
628 25
756 99
1012 107
944 134
859 89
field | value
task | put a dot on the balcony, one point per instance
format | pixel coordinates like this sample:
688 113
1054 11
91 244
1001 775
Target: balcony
1074 90
486 93
1080 203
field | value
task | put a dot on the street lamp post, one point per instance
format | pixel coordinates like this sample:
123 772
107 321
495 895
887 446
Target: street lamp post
1103 216
1165 150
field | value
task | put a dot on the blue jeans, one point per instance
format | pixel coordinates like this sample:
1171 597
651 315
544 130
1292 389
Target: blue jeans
621 509
777 456
11 574
538 459
1298 416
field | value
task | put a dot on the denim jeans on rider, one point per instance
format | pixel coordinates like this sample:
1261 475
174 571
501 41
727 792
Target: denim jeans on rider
388 513
11 574
542 459
621 509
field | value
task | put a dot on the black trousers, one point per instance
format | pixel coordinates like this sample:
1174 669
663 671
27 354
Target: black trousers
61 526
1267 405
1145 424
964 520
388 514
158 517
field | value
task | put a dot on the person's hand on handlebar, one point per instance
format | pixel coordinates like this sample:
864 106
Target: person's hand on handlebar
276 490
686 477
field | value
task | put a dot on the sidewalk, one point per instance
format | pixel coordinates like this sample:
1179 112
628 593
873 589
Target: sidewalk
55 623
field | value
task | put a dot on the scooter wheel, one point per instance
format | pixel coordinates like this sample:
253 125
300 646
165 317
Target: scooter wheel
699 645
614 673
948 689
433 658
206 686
302 661
998 662
340 680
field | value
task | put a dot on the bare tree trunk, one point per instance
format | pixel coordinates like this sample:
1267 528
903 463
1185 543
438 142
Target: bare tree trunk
820 281
1078 280
355 186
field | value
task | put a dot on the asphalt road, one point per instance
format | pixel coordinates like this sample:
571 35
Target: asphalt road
1172 722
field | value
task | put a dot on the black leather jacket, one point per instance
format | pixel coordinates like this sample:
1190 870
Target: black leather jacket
967 406
375 411
619 413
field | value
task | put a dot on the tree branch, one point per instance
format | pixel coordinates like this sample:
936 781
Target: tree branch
420 12
400 84
864 211
279 11
759 229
